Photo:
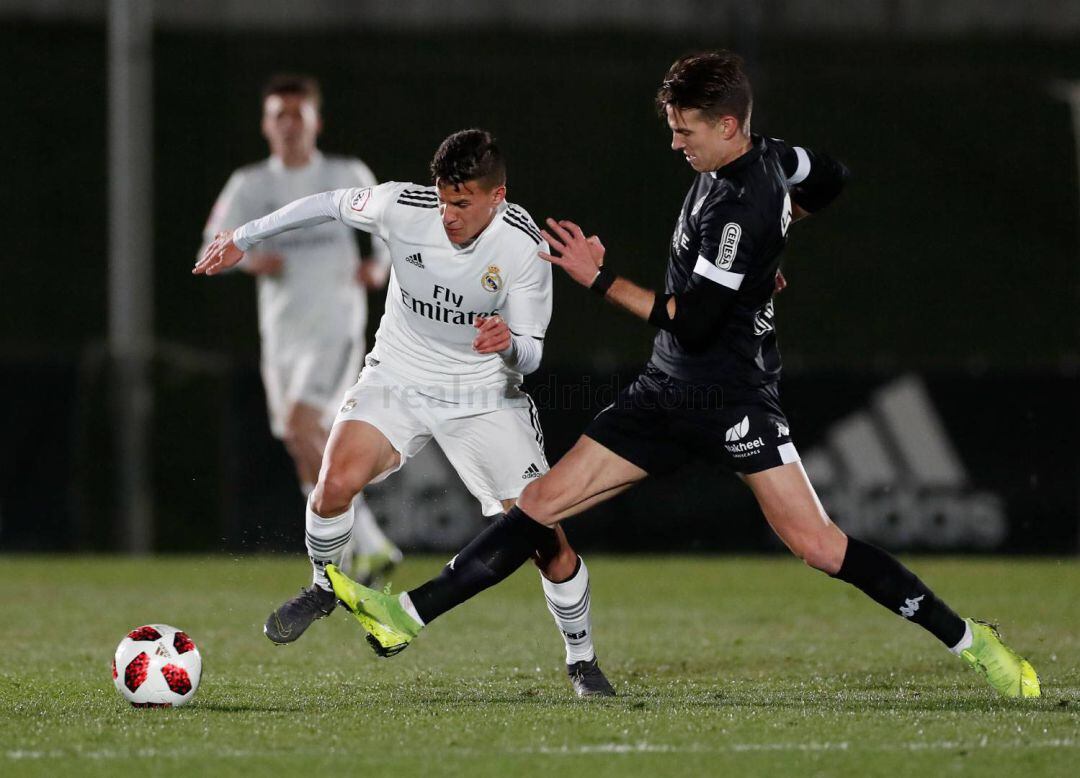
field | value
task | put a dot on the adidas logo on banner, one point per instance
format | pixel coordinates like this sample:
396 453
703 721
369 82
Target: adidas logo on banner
532 471
890 474
415 259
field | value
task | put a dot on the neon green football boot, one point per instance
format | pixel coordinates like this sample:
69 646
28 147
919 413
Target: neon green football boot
390 629
1003 668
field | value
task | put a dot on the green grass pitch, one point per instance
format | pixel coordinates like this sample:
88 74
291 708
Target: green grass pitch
740 666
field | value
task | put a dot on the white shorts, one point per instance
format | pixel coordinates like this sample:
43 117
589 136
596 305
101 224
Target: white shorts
316 377
496 451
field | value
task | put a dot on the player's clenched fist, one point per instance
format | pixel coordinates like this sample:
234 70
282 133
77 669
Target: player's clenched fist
493 335
220 255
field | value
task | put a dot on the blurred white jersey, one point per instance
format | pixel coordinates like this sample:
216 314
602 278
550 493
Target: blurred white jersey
316 301
437 288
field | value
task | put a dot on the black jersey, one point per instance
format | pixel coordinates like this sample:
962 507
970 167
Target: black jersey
725 253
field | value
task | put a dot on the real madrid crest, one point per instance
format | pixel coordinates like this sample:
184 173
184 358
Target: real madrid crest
491 280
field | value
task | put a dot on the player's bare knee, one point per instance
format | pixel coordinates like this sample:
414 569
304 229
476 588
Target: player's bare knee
536 501
334 492
821 552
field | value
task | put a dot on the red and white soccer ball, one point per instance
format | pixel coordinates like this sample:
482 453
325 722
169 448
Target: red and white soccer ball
157 666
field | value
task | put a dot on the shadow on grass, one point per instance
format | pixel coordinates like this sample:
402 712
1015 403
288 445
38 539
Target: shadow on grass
254 707
938 701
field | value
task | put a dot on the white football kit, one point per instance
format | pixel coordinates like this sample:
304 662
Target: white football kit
422 379
313 315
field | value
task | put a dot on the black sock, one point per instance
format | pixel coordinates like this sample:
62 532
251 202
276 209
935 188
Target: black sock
881 576
491 556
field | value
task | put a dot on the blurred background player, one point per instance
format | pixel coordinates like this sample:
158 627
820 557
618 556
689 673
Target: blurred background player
311 291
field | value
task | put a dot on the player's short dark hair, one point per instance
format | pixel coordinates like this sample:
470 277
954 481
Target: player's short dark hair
713 82
293 84
469 155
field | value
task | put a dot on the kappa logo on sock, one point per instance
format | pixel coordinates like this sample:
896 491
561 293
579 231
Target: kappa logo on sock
907 610
532 471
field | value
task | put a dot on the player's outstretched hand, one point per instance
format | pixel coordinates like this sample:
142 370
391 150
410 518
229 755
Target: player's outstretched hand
220 255
579 256
493 335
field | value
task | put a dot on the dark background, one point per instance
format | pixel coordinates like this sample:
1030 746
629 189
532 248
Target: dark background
953 254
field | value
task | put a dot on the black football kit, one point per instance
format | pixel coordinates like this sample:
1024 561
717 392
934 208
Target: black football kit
710 387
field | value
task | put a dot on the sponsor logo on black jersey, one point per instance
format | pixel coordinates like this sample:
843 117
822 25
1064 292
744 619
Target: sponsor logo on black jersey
735 434
729 245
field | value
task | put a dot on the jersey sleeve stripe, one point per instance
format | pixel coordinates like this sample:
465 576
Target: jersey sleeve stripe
532 236
523 225
802 170
524 218
723 277
424 198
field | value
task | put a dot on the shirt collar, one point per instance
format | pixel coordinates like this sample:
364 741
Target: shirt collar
757 146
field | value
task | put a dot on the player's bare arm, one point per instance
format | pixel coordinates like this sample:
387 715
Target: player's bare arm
371 273
263 263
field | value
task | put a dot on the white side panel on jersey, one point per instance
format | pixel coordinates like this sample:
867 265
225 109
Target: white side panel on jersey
723 277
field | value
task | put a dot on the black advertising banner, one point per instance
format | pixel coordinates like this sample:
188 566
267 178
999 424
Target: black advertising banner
945 462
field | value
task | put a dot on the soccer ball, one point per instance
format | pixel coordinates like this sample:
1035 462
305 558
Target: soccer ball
157 666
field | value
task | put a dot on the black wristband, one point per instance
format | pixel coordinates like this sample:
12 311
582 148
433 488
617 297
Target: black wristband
603 281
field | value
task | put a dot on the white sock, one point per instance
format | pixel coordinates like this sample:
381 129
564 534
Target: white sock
368 538
326 541
407 605
965 641
569 604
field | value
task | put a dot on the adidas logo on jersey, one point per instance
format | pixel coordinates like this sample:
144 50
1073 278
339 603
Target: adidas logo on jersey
415 259
532 471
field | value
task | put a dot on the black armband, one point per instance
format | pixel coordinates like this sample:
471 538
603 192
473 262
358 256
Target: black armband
603 281
658 316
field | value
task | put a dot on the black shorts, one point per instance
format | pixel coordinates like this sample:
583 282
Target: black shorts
659 423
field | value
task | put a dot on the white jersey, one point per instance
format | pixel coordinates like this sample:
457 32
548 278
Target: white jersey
316 300
437 288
